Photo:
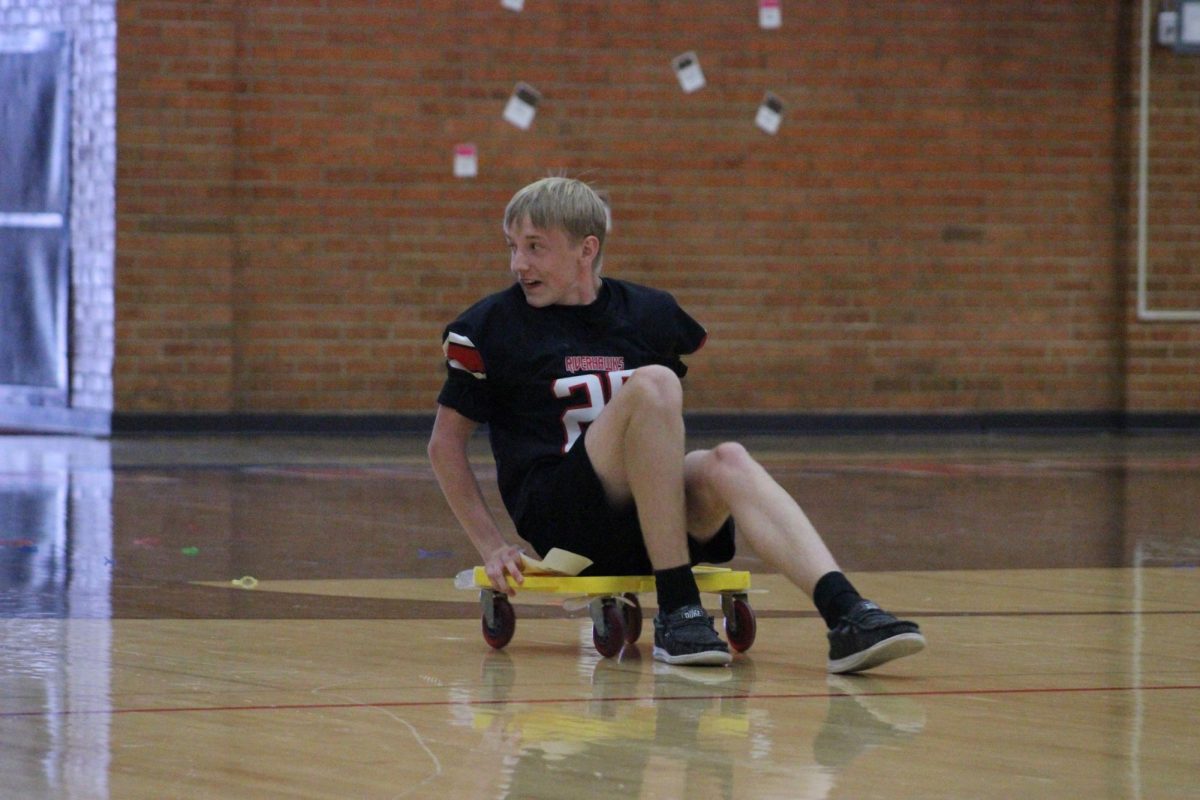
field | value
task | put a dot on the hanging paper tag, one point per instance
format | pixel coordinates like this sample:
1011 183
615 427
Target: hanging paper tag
513 5
466 160
687 67
522 106
770 14
770 113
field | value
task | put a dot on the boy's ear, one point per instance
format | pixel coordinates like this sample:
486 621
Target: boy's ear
591 246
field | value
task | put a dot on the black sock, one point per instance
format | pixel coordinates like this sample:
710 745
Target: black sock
834 596
676 588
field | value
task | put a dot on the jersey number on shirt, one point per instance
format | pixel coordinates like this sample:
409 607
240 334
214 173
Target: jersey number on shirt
590 391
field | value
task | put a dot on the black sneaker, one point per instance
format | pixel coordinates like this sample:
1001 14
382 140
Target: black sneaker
869 636
687 636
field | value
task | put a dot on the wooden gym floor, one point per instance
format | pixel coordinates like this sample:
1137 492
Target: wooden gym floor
1055 578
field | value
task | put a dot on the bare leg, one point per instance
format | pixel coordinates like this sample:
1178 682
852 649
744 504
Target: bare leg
727 480
636 447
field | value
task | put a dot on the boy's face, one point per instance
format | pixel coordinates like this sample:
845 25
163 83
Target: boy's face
549 268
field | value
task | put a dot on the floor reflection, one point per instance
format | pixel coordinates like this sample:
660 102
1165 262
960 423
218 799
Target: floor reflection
648 729
55 614
984 504
56 532
93 531
864 714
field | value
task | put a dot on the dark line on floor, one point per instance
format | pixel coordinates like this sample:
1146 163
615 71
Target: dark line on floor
583 700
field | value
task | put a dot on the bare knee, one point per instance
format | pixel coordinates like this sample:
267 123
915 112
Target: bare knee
717 471
715 480
655 386
731 456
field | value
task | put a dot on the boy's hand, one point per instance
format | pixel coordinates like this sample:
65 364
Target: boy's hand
505 561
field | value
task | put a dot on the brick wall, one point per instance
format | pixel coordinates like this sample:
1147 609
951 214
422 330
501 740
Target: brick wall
941 223
1163 357
91 29
176 210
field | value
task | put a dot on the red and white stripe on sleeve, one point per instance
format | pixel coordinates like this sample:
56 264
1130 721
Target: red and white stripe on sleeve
461 353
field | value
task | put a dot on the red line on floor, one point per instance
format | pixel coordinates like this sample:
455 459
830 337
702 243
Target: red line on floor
576 700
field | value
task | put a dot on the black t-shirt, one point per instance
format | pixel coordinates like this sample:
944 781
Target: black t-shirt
538 376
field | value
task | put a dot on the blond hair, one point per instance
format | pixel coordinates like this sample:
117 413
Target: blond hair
564 203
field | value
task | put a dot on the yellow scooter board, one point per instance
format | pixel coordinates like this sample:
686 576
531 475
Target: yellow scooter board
611 601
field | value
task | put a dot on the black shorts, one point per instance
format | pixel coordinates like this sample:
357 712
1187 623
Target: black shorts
566 507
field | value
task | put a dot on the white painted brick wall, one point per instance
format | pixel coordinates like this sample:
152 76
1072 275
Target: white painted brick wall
92 29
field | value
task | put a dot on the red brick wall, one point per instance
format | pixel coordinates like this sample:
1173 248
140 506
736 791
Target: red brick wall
941 224
1163 358
177 213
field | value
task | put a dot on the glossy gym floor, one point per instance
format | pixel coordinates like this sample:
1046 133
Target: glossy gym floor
276 618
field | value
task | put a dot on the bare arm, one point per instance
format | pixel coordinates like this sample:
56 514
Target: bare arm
452 467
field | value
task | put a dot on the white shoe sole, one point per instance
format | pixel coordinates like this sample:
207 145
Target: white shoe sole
904 644
709 658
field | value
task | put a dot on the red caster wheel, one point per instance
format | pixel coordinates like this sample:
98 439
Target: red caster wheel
740 624
608 626
632 611
499 620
